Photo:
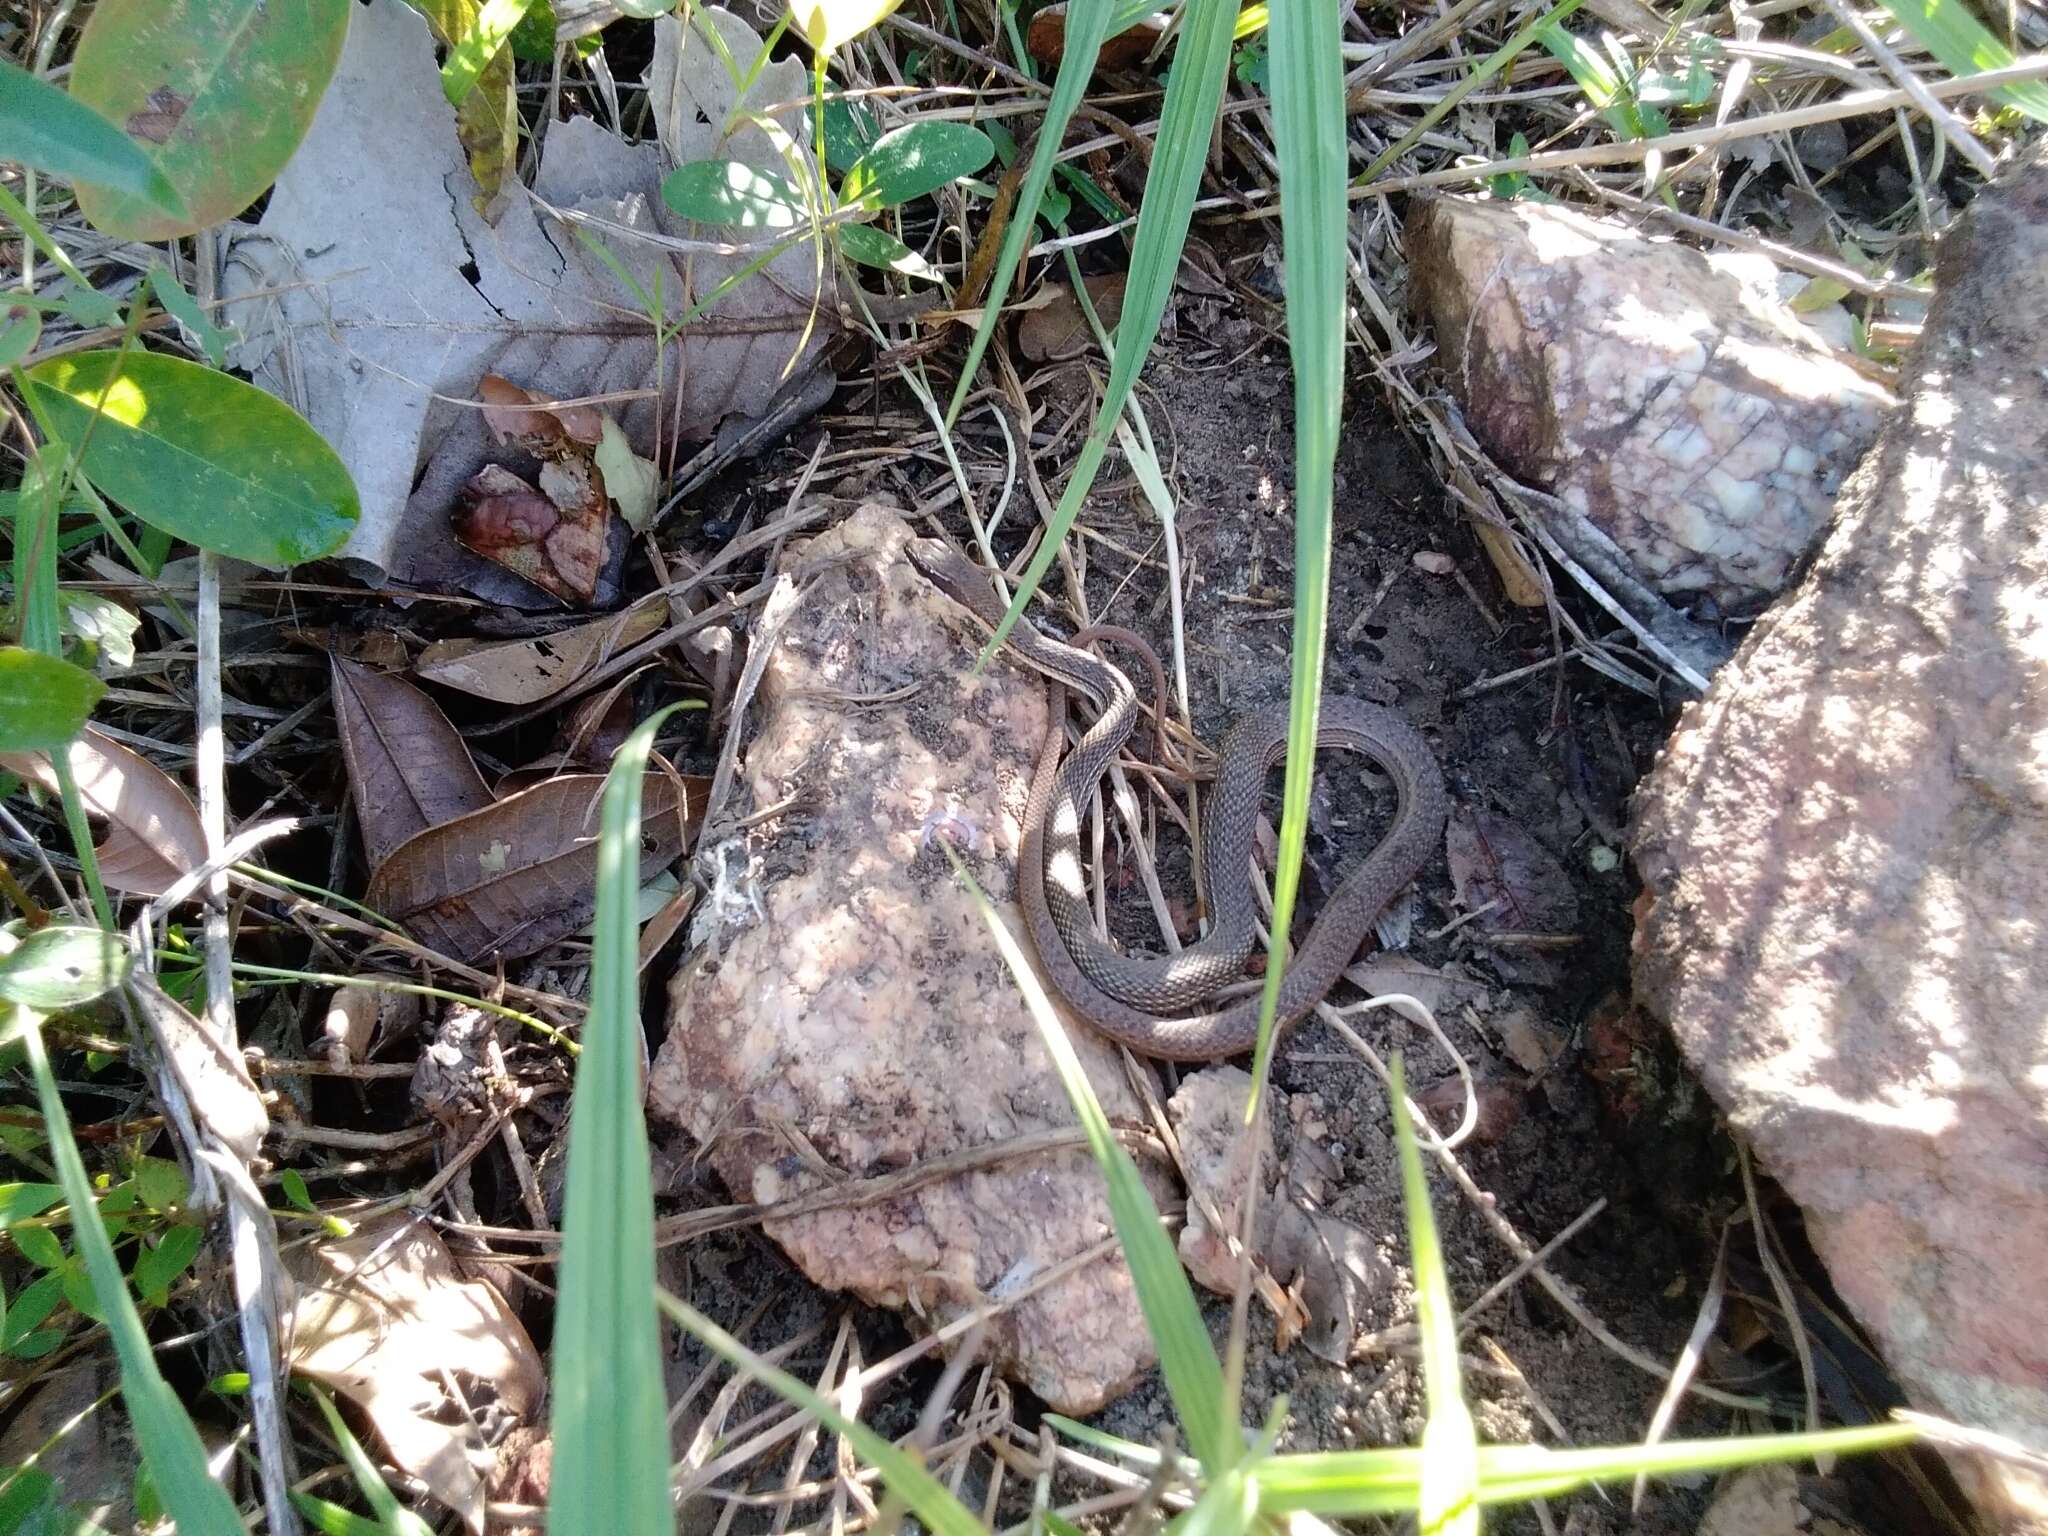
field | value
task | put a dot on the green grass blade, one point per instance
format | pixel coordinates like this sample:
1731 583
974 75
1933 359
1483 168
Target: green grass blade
1946 29
1450 1445
610 1414
1447 103
170 1444
1346 1483
1201 64
1187 1359
905 1475
1087 25
331 1519
393 1518
1305 56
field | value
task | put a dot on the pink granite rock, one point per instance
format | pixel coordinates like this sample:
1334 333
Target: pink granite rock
1664 394
866 1019
1845 854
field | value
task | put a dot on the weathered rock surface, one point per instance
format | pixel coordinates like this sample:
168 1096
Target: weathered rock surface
867 1016
1316 1272
1845 854
1663 394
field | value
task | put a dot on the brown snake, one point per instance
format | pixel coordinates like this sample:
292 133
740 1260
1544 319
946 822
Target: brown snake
1082 968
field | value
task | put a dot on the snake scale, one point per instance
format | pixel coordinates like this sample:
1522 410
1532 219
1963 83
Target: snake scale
1151 1003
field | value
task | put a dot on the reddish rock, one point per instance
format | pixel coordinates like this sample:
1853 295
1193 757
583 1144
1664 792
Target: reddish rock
1663 393
857 1018
1846 854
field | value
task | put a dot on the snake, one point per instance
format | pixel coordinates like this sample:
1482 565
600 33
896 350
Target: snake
1153 1004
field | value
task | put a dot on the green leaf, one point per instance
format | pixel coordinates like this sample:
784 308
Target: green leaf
487 104
104 629
18 1202
35 1302
170 1444
182 307
533 40
159 1183
850 131
52 131
611 1441
733 192
26 1498
207 458
825 24
215 93
294 1185
20 329
61 966
1087 25
332 1520
471 52
155 1269
1947 29
1609 90
41 1247
912 161
33 1346
79 1291
44 700
873 247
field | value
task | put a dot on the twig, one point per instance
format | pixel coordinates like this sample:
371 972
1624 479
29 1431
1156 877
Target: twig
252 1238
1894 66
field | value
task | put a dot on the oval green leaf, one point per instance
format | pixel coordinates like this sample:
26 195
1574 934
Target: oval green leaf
216 94
44 700
910 162
873 247
46 128
20 329
204 457
733 192
62 966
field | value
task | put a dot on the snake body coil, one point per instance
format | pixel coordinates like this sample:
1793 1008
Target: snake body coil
1143 1000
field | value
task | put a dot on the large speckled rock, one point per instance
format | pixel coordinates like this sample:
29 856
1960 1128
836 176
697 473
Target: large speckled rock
1664 394
1845 859
866 1014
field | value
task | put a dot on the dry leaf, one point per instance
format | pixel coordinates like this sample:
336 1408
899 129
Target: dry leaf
1046 39
535 422
381 1317
153 831
589 738
359 1018
512 878
1059 329
91 1455
378 314
528 671
631 481
1496 864
554 537
215 1079
407 767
